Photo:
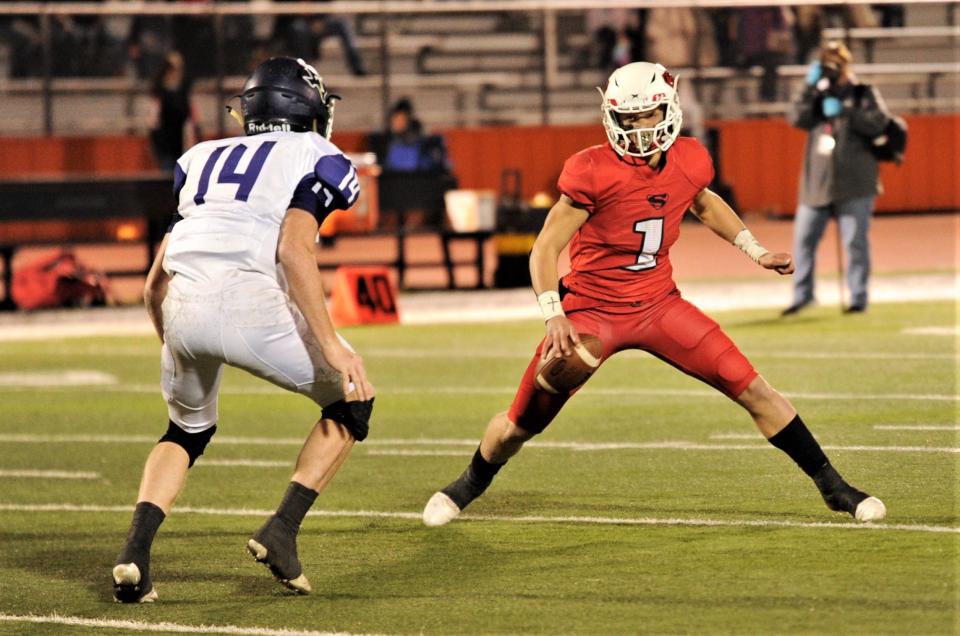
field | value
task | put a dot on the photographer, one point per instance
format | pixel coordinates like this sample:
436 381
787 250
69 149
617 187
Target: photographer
840 173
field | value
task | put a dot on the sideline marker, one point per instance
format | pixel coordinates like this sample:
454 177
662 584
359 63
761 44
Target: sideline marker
363 295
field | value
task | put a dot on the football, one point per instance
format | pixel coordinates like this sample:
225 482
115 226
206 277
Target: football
564 374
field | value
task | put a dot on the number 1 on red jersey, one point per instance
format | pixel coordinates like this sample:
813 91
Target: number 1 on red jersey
652 231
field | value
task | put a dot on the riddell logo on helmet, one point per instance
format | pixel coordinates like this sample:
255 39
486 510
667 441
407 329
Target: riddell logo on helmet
268 127
658 97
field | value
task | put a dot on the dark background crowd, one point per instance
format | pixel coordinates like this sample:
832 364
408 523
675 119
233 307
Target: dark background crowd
109 46
105 46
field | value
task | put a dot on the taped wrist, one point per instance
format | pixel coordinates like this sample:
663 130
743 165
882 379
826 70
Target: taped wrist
550 305
749 245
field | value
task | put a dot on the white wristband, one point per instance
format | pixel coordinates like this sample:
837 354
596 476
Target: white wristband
749 245
550 305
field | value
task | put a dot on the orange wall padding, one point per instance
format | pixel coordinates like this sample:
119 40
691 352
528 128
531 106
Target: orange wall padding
31 156
760 159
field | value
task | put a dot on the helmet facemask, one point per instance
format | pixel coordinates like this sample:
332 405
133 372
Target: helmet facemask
323 124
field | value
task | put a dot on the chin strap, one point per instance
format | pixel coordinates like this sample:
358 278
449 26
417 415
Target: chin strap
235 114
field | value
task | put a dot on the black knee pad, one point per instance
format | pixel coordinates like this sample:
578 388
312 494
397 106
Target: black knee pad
193 443
355 416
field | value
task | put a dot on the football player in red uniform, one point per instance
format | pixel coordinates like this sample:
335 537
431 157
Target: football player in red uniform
620 211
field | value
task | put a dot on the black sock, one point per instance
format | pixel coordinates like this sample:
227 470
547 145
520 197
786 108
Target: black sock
146 521
473 481
796 441
296 502
483 470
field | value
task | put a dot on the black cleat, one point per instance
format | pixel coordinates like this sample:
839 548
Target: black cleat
855 309
130 585
275 545
842 497
796 308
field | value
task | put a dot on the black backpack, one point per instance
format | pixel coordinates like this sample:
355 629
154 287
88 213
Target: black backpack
892 142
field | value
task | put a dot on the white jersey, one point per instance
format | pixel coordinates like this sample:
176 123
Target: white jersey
234 193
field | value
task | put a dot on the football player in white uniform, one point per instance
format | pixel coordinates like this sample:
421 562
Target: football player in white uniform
236 282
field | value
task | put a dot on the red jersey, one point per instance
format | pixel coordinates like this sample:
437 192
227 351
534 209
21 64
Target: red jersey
622 252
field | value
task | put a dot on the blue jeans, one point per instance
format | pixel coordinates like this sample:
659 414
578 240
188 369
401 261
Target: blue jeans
853 218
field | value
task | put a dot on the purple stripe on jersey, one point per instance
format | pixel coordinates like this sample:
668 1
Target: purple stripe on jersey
305 198
339 176
179 178
205 175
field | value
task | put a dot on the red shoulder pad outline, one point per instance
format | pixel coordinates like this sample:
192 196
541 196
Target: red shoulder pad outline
577 179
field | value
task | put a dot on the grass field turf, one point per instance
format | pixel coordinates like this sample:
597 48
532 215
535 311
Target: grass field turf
438 385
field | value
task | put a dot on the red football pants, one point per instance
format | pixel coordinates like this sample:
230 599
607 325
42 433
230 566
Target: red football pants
672 329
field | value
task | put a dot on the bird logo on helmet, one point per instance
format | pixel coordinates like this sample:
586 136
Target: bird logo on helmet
285 94
639 88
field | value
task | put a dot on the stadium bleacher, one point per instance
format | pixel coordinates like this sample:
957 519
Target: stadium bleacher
493 67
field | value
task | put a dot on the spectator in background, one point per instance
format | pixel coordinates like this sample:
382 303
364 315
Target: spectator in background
809 23
175 123
765 38
301 36
416 170
404 147
194 37
725 37
618 36
26 46
681 38
840 173
148 43
891 15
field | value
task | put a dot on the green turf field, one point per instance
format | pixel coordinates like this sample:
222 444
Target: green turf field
686 521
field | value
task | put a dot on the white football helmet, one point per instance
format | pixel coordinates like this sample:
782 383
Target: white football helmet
637 88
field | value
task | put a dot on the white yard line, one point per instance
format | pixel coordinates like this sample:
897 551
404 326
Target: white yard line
589 392
420 453
952 330
916 427
482 354
67 378
251 463
176 628
746 436
850 355
27 438
608 521
48 474
687 446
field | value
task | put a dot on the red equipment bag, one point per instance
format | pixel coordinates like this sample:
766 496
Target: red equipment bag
58 280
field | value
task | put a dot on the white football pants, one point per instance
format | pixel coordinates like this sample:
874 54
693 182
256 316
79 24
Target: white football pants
247 322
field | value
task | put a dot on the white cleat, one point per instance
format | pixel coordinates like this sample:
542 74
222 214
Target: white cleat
870 509
440 510
126 585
